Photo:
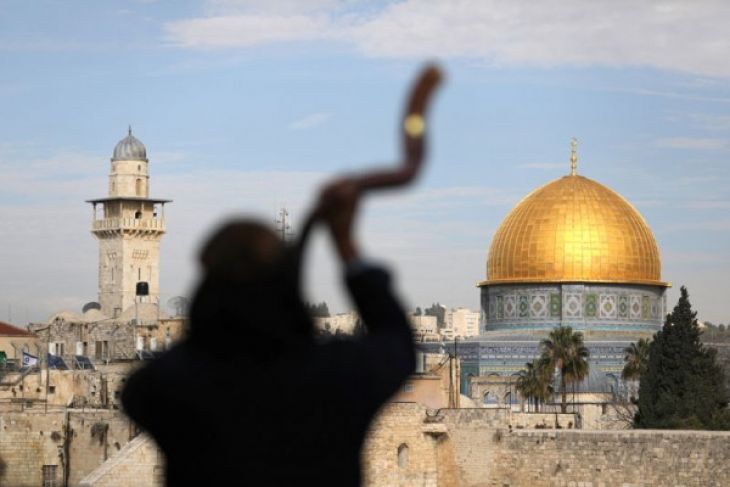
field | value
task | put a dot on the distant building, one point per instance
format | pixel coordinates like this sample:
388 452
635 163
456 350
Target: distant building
129 226
463 322
127 321
425 327
338 323
14 341
571 253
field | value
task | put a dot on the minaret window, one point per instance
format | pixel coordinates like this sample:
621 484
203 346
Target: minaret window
138 187
403 456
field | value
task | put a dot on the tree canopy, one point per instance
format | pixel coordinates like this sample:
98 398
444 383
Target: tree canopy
565 351
683 387
636 359
535 383
439 312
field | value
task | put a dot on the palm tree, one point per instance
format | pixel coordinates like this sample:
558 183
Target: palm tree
534 383
636 358
565 351
576 369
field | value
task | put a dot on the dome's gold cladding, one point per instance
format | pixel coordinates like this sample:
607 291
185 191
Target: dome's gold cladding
574 229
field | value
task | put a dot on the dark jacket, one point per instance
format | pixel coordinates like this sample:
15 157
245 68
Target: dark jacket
294 417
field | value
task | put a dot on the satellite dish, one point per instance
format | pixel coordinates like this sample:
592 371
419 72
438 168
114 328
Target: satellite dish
178 305
91 305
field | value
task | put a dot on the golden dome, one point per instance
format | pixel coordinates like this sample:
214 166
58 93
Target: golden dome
574 229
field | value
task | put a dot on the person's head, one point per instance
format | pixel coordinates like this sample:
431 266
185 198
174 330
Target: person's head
249 288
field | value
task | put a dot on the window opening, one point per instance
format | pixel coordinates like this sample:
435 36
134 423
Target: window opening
403 456
49 475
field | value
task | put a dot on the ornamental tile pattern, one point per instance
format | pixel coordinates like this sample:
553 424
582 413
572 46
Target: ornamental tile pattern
573 306
539 306
608 306
510 306
555 305
591 305
655 308
524 306
635 309
623 306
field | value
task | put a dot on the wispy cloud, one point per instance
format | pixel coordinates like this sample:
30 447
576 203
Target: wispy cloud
310 121
694 143
50 227
718 123
670 34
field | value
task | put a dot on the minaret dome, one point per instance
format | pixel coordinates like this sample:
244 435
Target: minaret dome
130 148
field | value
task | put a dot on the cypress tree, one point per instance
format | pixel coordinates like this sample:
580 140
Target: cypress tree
683 387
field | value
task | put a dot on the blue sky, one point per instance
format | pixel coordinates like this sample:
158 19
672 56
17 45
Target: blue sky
246 106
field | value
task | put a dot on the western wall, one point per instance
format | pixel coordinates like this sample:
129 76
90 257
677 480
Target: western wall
485 448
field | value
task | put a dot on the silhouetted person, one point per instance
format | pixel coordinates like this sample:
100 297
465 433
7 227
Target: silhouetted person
250 398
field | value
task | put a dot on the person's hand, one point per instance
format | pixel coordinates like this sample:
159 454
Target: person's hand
337 207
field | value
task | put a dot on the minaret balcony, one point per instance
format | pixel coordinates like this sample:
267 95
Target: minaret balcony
104 224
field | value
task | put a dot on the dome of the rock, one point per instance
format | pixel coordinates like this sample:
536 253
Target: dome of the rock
574 229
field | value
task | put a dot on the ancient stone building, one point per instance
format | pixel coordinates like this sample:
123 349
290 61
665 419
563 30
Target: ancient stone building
129 226
13 342
573 253
127 321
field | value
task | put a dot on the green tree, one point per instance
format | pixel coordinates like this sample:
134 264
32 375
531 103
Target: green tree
534 383
565 351
439 312
683 387
636 359
418 311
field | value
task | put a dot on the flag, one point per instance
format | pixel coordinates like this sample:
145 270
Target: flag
29 360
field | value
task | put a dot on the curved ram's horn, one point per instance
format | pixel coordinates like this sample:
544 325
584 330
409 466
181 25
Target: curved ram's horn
414 145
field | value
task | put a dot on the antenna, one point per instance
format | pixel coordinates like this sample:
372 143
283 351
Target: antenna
283 228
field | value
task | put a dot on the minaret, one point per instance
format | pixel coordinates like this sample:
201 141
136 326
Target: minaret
129 226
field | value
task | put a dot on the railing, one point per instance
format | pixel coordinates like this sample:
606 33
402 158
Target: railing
128 223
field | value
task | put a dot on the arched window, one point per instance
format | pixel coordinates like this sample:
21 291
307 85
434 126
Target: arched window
490 399
403 456
138 187
138 215
510 399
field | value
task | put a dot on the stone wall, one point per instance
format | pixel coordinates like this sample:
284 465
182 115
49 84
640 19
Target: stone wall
100 388
95 436
428 459
75 441
606 458
476 447
28 441
138 464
